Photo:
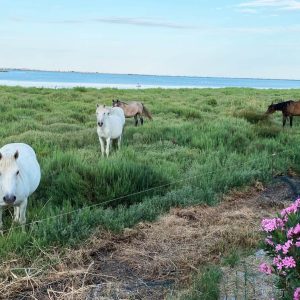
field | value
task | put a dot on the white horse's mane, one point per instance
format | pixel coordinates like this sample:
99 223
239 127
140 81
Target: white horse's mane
6 162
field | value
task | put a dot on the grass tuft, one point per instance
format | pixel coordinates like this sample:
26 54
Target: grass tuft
206 285
252 116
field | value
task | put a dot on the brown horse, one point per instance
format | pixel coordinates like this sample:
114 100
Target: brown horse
133 109
288 108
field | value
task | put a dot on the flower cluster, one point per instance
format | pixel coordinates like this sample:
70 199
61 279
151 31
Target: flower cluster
282 244
297 294
270 225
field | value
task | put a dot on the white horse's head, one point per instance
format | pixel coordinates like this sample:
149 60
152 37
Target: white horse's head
9 173
102 112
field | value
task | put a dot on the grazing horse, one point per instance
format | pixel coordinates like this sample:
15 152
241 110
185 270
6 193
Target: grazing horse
110 123
20 176
133 109
288 108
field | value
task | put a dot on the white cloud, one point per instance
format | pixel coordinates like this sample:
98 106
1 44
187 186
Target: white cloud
265 29
145 22
142 22
277 4
247 10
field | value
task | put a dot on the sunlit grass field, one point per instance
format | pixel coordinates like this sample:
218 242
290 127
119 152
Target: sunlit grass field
201 144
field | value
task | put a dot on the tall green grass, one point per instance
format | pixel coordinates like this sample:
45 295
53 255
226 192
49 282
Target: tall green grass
201 144
205 286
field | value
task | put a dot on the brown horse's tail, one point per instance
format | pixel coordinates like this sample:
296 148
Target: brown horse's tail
146 112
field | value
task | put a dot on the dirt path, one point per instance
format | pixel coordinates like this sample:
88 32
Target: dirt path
150 260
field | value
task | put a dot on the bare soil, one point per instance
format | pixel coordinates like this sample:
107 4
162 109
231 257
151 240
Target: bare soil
152 260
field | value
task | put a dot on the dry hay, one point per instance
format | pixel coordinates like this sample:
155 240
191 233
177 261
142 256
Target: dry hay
148 260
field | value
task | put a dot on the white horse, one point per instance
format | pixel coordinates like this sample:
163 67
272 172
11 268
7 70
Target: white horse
110 123
20 176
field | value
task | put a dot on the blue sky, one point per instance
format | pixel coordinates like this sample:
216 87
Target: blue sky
233 38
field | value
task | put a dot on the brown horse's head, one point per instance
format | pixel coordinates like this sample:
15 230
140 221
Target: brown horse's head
271 109
116 103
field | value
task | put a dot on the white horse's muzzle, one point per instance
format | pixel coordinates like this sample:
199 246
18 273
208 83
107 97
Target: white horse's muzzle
9 199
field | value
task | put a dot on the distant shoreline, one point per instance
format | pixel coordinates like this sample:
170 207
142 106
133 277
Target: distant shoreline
146 75
70 85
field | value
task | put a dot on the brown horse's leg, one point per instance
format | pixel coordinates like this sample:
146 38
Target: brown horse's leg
141 120
284 117
291 121
136 120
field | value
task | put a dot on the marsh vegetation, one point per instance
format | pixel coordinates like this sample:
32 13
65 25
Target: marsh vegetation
201 144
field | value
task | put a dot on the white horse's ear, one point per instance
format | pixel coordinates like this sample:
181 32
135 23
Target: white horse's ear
103 105
97 105
16 155
0 156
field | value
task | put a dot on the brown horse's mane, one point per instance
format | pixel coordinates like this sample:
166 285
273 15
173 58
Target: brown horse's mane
122 102
282 105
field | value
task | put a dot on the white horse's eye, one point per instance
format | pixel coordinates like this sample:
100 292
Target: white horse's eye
17 172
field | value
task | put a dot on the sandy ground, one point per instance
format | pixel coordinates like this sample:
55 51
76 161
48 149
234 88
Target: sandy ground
154 260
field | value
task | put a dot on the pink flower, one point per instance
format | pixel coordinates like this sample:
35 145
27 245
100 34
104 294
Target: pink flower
277 261
265 268
291 209
296 229
297 202
297 294
285 219
286 246
293 231
289 262
270 225
290 233
288 210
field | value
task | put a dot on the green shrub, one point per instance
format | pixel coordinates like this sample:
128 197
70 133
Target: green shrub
252 116
69 177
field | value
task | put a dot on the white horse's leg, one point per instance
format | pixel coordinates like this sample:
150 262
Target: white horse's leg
119 142
101 145
22 218
16 213
107 146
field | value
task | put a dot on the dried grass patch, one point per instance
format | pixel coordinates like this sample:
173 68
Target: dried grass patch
148 259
